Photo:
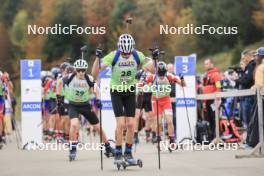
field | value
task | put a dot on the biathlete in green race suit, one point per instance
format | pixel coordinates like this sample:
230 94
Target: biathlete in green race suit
78 89
125 62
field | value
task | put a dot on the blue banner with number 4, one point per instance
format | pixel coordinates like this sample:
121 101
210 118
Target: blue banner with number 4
30 69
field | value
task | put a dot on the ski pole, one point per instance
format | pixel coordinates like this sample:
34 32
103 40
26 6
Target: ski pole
155 55
100 107
187 114
83 49
128 22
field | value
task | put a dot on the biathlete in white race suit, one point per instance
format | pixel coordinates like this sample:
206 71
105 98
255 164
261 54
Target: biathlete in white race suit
124 62
78 89
164 81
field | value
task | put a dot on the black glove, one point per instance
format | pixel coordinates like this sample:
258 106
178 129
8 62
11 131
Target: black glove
181 76
60 100
155 53
98 104
99 52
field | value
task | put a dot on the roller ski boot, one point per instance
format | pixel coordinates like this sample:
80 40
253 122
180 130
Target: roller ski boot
72 155
73 151
129 161
148 137
109 151
156 139
173 146
1 142
136 139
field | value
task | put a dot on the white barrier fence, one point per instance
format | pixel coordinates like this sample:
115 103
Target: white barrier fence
258 151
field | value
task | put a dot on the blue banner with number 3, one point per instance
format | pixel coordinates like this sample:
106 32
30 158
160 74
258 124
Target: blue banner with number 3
185 65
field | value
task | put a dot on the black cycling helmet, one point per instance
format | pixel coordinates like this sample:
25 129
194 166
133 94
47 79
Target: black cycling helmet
162 68
64 65
55 72
69 69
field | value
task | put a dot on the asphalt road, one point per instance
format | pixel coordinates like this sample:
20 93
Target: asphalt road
14 161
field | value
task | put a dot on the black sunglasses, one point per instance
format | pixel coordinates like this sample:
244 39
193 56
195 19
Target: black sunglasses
80 70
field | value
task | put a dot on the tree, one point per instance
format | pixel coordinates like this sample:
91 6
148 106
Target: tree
224 13
258 15
18 31
65 45
8 10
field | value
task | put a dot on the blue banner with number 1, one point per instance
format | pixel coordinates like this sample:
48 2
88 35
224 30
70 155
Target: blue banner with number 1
30 69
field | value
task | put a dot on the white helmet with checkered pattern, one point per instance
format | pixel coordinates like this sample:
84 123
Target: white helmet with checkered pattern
126 43
80 64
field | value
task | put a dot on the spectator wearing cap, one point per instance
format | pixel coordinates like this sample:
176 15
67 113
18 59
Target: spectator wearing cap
259 73
252 132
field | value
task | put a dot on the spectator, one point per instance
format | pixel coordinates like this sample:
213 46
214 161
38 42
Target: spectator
253 128
259 74
211 84
246 81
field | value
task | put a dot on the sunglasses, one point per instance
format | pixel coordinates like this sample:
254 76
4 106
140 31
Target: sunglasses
126 54
80 70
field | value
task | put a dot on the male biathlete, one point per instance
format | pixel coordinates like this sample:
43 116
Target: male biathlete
161 98
63 103
124 62
79 87
2 104
143 102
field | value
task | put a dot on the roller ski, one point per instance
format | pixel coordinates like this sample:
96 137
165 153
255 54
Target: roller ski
118 161
128 161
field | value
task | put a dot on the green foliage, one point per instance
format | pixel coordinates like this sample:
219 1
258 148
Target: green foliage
68 13
236 53
8 10
18 34
224 13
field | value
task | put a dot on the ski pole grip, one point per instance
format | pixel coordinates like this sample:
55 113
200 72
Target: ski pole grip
181 76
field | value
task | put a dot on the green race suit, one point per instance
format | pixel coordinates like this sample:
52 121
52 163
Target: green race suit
78 91
124 70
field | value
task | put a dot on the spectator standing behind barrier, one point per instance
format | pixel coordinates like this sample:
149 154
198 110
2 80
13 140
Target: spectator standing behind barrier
246 81
259 73
211 84
253 130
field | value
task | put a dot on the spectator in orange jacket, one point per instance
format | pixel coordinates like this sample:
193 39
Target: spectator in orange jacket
212 79
211 84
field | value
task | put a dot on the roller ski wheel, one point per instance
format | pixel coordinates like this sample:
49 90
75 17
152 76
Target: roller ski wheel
109 155
130 161
140 163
